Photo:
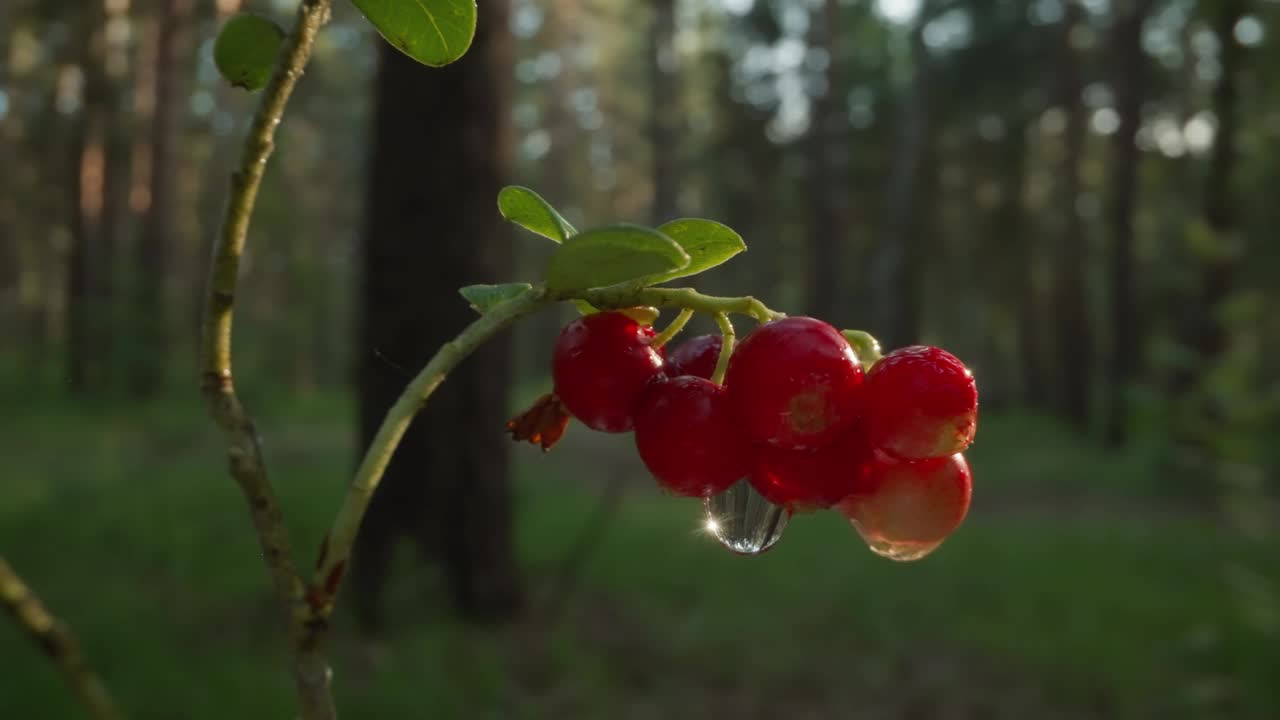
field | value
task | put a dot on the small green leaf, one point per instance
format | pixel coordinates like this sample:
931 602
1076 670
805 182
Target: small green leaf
611 255
245 51
433 32
708 243
585 308
484 298
527 209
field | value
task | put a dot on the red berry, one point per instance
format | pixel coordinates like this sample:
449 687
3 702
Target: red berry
808 479
904 509
686 437
794 384
601 364
921 402
696 356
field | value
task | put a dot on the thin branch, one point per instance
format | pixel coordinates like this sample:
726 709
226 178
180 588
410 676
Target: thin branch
310 668
336 549
727 339
56 640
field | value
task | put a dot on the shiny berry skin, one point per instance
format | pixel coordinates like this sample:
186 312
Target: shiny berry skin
696 356
810 479
905 508
921 402
600 365
794 384
686 437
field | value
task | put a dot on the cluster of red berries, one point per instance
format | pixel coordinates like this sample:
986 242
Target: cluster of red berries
796 414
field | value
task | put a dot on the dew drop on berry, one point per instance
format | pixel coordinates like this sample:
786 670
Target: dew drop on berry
743 520
900 550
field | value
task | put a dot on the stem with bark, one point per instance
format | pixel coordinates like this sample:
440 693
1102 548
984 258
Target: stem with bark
310 668
55 638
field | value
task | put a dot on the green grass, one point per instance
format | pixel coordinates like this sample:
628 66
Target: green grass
1062 597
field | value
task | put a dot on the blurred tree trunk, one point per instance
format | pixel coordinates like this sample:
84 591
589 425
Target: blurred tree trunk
828 171
1126 329
1023 298
1219 264
664 112
441 150
1073 347
153 256
896 273
97 209
11 265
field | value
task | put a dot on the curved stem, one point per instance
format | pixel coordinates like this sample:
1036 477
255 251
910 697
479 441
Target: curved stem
336 550
615 297
726 348
310 668
673 329
55 638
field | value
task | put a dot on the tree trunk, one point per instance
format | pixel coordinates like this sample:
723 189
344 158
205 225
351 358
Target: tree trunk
441 150
895 279
828 172
1218 270
153 259
1023 254
93 224
1073 347
1126 331
664 112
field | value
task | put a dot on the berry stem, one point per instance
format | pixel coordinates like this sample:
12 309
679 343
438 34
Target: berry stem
671 330
865 345
626 296
336 550
726 348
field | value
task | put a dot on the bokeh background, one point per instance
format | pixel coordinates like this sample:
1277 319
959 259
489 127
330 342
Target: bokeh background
1078 198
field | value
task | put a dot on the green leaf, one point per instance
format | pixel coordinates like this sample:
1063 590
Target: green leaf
527 209
585 308
708 243
611 255
484 298
245 51
433 32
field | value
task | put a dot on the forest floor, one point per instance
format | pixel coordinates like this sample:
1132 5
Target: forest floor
1080 587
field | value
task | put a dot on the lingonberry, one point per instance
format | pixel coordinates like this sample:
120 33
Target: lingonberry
904 509
600 365
809 479
922 403
696 356
794 384
686 437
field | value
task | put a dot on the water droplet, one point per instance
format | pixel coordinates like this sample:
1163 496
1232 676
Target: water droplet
901 550
743 520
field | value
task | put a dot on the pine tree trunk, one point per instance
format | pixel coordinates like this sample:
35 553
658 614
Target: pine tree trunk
828 172
1126 331
153 257
664 112
441 150
895 278
1073 347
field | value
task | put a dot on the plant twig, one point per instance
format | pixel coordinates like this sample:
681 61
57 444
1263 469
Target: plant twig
336 549
310 668
626 296
727 338
56 640
672 330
